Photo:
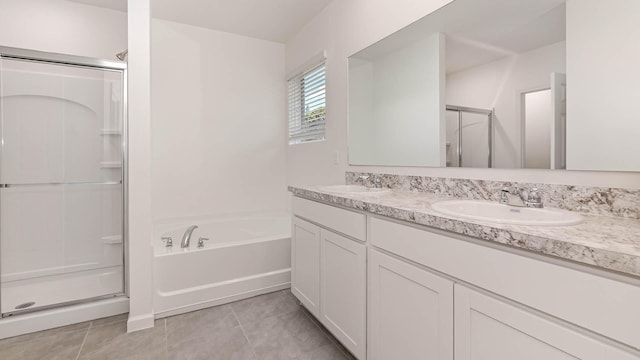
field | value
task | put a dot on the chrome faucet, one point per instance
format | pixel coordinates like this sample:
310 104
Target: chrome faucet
186 238
168 241
514 196
376 182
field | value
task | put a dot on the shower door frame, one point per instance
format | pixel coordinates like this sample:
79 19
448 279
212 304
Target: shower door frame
96 64
489 114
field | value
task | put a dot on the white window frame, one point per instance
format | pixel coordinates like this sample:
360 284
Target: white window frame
311 77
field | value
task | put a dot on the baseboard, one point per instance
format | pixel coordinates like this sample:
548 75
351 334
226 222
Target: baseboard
140 322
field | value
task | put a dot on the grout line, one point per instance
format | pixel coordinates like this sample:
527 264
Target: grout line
166 338
245 334
86 335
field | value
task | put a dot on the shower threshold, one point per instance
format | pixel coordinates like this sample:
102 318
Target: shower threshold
41 293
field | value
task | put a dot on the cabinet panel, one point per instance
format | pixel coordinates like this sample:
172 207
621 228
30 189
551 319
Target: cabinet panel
343 221
489 329
305 264
566 293
410 311
343 290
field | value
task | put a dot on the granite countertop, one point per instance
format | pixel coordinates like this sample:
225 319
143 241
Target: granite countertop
607 242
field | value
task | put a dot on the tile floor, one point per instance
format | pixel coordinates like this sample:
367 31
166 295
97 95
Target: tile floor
271 326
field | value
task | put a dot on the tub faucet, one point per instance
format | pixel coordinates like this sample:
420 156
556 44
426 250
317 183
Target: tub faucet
186 238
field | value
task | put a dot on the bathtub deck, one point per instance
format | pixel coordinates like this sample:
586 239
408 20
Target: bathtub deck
270 326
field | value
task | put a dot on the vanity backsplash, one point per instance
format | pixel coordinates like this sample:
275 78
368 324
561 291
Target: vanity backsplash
589 200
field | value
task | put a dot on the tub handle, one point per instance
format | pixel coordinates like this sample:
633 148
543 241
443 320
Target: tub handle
168 240
201 241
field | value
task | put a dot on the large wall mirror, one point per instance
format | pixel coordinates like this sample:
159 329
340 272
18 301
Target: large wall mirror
543 84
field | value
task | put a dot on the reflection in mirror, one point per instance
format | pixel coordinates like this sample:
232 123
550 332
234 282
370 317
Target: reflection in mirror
496 71
469 140
490 83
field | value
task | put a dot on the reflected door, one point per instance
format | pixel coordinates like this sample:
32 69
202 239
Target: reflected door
61 198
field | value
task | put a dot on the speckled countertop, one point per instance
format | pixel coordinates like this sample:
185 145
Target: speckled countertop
611 243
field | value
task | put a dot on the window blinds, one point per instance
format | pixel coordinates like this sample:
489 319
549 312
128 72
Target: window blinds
307 111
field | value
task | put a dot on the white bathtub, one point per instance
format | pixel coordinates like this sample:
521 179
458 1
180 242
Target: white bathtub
244 257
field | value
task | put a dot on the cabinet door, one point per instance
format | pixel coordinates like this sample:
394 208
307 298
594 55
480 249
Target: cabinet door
489 329
343 290
305 264
410 311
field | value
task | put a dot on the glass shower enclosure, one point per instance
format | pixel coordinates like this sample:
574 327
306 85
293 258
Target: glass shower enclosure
469 137
62 179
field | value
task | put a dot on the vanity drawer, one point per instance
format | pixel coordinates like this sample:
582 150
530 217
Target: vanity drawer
589 300
344 221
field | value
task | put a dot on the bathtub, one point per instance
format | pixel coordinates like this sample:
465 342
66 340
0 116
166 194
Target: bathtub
245 256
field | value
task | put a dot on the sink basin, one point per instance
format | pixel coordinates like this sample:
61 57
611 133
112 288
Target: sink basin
505 214
353 189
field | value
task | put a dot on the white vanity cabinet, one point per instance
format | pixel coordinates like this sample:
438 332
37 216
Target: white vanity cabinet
431 294
343 300
305 264
487 328
563 294
329 269
410 311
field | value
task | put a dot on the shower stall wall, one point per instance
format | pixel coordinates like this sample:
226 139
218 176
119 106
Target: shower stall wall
62 179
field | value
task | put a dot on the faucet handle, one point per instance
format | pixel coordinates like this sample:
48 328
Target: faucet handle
534 196
201 241
168 240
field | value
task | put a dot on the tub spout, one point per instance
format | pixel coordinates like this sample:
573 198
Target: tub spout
186 238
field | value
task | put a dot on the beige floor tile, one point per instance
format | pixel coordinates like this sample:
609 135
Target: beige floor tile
60 330
110 320
290 336
220 344
113 342
260 307
62 345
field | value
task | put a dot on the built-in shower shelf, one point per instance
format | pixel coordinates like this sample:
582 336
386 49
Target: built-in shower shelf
115 132
112 240
110 164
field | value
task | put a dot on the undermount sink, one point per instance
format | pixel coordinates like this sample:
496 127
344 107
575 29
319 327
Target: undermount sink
353 189
505 214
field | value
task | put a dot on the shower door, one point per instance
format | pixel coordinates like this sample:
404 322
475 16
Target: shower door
468 134
61 182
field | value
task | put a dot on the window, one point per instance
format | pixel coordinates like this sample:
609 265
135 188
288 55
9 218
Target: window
307 106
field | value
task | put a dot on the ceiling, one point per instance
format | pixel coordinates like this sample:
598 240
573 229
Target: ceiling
120 5
273 20
473 48
479 32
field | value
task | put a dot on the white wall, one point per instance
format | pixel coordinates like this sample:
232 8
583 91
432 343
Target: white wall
603 125
140 253
498 85
538 110
219 122
407 93
63 27
345 27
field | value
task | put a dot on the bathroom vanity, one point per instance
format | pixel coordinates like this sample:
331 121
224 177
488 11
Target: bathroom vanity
392 279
